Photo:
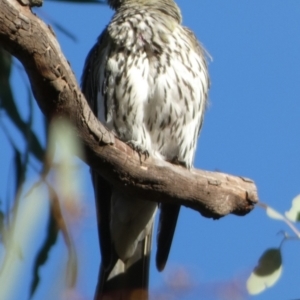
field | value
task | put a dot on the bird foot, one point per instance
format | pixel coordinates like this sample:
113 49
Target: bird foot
176 161
141 150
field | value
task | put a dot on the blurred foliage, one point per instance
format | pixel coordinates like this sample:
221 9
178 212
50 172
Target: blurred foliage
269 268
33 150
43 255
266 273
33 147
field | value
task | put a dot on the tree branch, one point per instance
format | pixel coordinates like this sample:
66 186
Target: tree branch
56 90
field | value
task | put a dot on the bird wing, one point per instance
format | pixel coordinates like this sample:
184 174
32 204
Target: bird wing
90 87
116 278
169 212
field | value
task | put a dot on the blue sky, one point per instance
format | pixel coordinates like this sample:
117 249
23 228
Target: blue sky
251 129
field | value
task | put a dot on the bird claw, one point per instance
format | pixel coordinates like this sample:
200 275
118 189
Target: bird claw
176 161
142 151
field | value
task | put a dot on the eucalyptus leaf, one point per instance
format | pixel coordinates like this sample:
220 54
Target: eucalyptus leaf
294 213
43 254
272 213
266 273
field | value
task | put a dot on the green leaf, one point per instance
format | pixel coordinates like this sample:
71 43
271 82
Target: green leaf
66 144
43 254
5 66
272 213
20 169
294 213
18 241
2 224
35 146
6 95
266 273
9 105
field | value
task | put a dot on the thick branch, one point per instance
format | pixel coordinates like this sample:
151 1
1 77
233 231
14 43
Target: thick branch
56 90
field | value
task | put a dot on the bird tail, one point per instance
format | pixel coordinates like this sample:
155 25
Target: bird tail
166 228
124 281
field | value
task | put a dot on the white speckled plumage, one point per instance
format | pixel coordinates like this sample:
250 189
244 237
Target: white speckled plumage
159 103
147 80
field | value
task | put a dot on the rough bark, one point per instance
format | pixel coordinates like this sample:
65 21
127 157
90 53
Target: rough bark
56 90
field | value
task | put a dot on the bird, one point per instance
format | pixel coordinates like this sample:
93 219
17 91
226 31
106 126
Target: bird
146 79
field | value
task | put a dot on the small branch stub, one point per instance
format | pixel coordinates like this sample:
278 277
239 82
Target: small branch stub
31 3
